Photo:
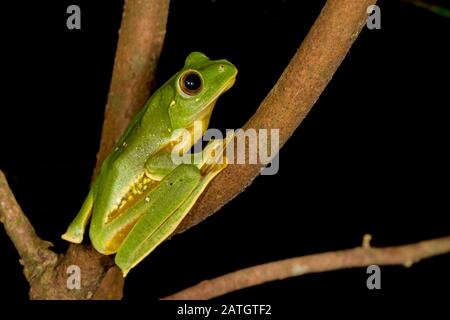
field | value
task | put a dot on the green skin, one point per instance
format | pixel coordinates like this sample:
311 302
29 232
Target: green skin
140 195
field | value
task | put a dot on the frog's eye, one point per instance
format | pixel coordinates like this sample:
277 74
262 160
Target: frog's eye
191 83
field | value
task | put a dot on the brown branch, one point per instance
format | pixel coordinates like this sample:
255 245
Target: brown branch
94 269
352 258
140 41
293 96
33 251
141 38
44 270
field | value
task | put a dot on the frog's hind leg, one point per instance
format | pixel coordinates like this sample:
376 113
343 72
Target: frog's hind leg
176 194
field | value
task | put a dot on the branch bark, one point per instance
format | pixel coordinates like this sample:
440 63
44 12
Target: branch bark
45 271
352 258
33 251
293 96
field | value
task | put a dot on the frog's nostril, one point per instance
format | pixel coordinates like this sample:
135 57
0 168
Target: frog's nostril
221 67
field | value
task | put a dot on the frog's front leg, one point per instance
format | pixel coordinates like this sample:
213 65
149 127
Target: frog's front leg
161 164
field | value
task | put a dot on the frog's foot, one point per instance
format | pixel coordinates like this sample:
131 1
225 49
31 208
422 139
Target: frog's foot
214 159
75 231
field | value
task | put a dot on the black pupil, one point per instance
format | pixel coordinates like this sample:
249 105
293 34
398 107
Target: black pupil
192 82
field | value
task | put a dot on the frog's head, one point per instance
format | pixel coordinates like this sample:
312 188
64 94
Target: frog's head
197 87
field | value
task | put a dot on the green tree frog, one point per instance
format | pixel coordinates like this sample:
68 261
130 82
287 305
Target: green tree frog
140 195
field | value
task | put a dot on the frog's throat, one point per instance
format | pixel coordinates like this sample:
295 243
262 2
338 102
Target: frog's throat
205 114
210 105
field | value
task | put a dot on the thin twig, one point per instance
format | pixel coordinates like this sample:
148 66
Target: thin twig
33 251
358 257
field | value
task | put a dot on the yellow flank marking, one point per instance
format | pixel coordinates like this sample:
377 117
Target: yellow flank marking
134 194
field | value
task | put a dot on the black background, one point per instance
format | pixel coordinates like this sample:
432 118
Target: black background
369 158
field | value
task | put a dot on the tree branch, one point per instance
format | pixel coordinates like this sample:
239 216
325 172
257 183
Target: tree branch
140 41
358 257
142 33
45 271
293 96
33 251
141 37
